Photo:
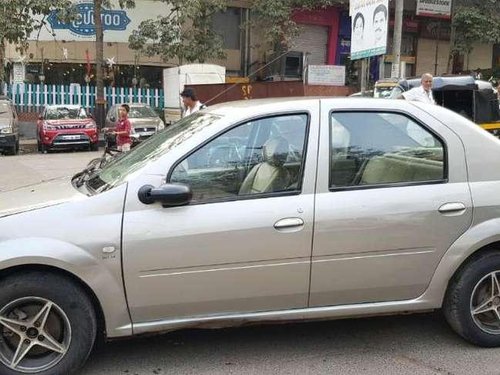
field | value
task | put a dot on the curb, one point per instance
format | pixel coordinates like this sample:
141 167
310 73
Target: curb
28 146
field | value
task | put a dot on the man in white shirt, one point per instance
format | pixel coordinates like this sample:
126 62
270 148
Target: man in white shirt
191 102
423 93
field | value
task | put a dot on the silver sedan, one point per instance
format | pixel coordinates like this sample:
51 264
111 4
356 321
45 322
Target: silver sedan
267 210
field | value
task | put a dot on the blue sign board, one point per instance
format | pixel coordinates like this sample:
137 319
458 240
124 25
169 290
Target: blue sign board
115 20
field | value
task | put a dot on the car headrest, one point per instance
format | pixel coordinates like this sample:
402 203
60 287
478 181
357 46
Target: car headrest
275 151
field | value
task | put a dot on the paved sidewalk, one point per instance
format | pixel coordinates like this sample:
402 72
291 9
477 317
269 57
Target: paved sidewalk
29 169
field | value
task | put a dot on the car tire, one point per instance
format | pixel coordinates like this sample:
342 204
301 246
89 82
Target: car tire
94 146
50 314
39 145
472 301
11 151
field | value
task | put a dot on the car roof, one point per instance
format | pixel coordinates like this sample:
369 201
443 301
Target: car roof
133 104
245 108
69 106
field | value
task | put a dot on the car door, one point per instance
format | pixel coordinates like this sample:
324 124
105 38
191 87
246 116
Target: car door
392 198
228 251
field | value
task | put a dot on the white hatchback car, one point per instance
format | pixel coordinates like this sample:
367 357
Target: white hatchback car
266 210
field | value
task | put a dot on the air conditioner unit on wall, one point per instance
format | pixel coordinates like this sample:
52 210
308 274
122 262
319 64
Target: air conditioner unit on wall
288 67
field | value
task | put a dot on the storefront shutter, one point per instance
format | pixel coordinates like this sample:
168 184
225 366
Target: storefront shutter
312 39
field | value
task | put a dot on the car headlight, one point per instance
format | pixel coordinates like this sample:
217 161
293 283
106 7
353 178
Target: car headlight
90 125
161 125
48 127
6 130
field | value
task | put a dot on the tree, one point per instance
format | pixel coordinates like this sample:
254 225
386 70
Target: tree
473 21
185 33
276 17
17 23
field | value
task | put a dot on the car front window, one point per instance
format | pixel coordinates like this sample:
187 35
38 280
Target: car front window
128 163
260 157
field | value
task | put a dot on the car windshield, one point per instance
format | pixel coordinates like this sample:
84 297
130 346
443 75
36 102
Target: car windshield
383 92
140 112
65 113
128 163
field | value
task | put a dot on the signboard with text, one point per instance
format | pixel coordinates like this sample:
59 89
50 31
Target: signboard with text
84 25
117 23
369 20
18 73
434 8
328 75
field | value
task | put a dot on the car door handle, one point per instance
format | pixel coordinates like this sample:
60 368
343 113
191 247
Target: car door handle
454 207
288 223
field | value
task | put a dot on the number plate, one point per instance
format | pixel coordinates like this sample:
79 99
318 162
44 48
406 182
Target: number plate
71 137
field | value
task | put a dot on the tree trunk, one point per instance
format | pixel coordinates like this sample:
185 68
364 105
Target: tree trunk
449 68
100 110
2 66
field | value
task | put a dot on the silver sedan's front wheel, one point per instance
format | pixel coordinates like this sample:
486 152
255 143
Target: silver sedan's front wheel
472 302
36 335
47 325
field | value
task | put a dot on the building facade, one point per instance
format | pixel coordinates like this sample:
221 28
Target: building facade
65 53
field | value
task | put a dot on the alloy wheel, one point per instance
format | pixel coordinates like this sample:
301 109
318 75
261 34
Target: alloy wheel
485 303
35 334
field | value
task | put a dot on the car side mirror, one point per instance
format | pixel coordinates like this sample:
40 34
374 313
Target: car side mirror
112 119
169 195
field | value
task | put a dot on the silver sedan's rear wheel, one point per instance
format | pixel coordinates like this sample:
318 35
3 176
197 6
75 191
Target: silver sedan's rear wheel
485 303
47 325
472 302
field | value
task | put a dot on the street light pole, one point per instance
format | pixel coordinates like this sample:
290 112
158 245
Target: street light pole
398 33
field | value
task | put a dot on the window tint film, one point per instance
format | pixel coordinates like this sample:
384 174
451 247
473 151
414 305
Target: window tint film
382 148
262 156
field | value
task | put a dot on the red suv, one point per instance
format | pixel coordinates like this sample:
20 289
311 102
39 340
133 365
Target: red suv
66 126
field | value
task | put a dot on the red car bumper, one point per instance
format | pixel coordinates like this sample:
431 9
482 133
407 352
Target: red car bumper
69 138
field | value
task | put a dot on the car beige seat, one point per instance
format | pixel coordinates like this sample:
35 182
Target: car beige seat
270 175
391 168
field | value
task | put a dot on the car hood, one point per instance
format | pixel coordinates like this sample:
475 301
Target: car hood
37 196
67 122
138 122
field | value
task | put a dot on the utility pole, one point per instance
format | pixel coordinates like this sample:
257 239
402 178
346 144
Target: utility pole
99 47
396 47
364 78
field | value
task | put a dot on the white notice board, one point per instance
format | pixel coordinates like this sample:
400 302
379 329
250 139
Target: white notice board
329 75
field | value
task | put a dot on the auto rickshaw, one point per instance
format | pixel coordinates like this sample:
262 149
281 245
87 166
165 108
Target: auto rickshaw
472 98
383 87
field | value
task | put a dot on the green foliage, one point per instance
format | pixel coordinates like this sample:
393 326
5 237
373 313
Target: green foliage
276 17
17 22
185 33
475 21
